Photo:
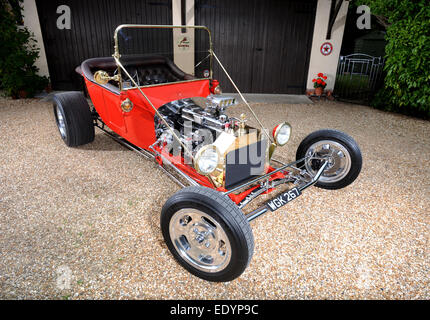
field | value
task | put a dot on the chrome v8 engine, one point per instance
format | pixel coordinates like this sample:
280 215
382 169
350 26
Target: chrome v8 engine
201 122
197 120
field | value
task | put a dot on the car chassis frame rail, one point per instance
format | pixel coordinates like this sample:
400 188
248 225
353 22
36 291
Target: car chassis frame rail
249 216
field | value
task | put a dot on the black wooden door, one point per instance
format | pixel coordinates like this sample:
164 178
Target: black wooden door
264 45
91 35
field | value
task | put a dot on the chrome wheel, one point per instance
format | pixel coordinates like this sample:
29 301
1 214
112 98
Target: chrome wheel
60 122
338 157
200 240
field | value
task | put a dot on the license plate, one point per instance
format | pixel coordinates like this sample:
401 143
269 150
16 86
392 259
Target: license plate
283 199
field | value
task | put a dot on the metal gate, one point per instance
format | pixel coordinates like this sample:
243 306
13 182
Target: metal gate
91 35
264 45
358 77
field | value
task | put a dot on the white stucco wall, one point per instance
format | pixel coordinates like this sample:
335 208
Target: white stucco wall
183 57
319 62
31 21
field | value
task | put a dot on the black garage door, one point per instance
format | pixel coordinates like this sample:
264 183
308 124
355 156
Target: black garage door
91 34
265 45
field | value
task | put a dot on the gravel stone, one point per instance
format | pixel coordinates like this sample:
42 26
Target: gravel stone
83 223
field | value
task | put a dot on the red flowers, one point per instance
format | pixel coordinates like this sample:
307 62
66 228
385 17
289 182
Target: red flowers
319 81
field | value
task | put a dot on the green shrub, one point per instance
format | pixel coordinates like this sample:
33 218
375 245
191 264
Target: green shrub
407 67
18 53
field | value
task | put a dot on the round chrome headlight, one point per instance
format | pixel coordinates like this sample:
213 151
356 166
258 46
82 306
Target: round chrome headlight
207 159
282 134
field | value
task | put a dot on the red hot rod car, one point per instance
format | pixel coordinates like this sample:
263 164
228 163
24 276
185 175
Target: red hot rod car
179 119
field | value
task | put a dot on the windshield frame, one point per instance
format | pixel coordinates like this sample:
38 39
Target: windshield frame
117 54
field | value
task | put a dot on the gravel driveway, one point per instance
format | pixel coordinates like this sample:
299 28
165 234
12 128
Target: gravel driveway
84 222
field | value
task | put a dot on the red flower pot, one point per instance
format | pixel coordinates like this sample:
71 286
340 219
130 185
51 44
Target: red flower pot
319 91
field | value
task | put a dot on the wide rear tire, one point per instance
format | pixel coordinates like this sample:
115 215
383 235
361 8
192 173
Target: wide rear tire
207 234
73 117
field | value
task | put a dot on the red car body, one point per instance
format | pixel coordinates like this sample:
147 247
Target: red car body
137 126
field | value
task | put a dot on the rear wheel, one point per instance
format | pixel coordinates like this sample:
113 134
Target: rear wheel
73 117
207 234
339 150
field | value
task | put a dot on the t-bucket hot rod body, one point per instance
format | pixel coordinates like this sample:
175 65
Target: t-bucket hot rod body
148 103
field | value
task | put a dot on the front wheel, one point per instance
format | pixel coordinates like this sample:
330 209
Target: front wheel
339 150
207 234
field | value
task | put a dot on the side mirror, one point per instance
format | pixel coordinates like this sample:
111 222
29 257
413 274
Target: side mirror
102 77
